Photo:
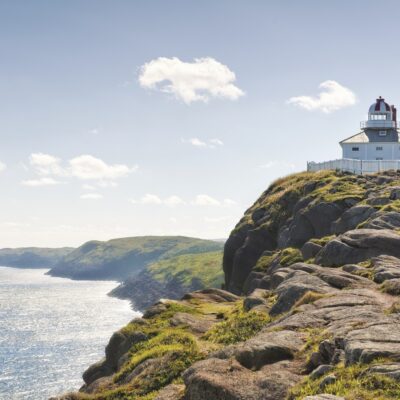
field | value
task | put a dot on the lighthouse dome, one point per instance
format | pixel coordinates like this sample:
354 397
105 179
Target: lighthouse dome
380 106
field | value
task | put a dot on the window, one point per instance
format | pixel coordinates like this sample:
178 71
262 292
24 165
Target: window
355 148
382 133
379 148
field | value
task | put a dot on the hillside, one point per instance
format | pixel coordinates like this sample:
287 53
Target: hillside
32 257
312 311
119 259
171 278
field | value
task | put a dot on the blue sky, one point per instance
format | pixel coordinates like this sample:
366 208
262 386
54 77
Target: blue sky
90 151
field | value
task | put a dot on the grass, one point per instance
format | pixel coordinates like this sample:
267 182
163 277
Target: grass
285 257
309 298
170 341
199 270
322 241
238 326
352 383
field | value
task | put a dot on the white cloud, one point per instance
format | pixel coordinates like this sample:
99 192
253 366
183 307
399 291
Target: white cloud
150 199
89 167
2 166
91 196
173 201
332 98
216 142
197 142
212 143
205 200
40 182
46 164
199 80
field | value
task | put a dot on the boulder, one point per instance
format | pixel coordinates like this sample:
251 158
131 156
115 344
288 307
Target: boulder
228 380
265 348
211 294
384 220
385 268
119 344
359 245
351 218
195 323
373 342
395 193
294 287
257 300
171 392
321 370
391 370
97 371
310 250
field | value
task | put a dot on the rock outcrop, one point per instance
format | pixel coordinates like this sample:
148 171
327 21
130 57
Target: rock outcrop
312 311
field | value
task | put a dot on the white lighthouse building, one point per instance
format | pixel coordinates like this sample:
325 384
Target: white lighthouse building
378 139
376 148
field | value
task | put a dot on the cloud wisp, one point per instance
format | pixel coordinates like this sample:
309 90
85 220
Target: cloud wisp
210 144
2 166
200 80
333 97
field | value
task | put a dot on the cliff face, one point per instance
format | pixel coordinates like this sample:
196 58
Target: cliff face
316 261
304 207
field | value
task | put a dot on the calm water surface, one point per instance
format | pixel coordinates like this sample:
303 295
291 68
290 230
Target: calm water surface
51 330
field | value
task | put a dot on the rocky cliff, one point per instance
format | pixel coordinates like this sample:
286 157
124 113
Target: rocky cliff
312 311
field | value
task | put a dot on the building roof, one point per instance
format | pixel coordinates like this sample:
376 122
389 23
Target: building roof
380 106
372 136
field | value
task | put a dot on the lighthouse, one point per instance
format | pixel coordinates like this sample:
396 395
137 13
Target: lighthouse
375 148
378 139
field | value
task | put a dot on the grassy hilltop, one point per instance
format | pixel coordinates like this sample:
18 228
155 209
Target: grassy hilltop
118 259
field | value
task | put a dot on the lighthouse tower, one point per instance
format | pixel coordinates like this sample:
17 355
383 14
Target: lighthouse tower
378 139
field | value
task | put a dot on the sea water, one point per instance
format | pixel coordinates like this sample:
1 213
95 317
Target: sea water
51 330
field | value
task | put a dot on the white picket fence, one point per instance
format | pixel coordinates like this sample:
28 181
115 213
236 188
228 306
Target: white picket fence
356 166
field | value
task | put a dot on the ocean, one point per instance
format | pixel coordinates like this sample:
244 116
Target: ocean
51 330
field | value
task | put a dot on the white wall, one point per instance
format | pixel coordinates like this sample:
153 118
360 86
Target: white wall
368 151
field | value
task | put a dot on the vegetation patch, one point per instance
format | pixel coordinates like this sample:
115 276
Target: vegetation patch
352 383
309 298
190 270
323 241
239 326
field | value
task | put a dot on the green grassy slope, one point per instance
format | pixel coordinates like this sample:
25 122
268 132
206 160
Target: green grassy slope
120 258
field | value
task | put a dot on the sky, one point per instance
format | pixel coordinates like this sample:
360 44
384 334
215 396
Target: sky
125 118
